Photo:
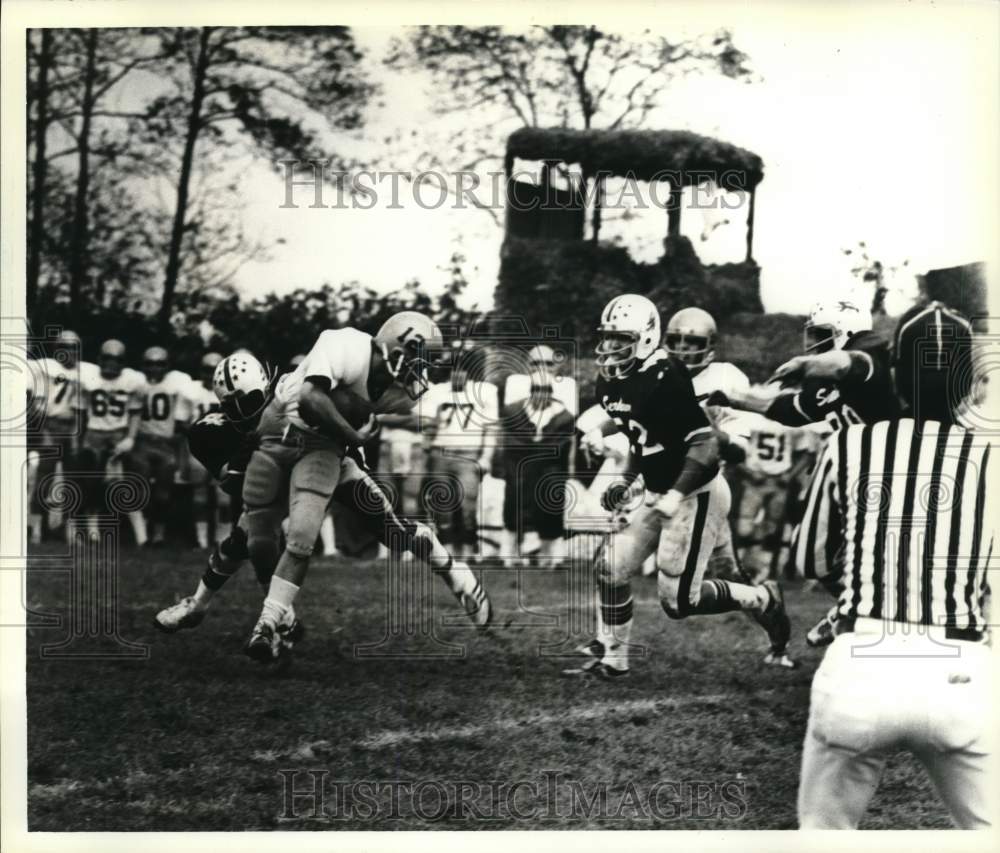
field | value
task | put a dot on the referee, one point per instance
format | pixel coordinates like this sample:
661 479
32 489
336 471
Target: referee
909 667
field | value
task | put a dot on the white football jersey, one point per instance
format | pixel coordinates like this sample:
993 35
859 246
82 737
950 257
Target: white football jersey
110 402
195 402
772 446
463 418
727 378
161 405
343 356
61 385
518 387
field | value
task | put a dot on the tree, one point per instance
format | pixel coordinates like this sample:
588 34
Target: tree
565 76
84 69
265 87
38 96
873 274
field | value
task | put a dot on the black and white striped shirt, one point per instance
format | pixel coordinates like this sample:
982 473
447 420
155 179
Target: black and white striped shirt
910 511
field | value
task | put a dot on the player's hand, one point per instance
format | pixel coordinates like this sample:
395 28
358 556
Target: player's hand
367 432
668 505
593 442
615 496
124 446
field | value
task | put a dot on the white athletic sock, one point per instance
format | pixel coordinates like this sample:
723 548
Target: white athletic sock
752 598
604 632
616 604
280 597
138 522
201 531
203 595
460 578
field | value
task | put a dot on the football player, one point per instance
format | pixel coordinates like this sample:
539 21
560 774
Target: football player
776 457
461 422
111 405
684 514
222 444
302 457
157 445
691 336
56 396
197 494
863 394
840 333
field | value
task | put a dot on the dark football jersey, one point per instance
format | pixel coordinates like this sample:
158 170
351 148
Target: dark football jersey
221 448
850 401
656 407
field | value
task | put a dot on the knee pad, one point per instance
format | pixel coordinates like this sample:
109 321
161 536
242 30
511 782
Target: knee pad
262 541
298 547
609 567
262 481
421 541
669 587
305 518
235 545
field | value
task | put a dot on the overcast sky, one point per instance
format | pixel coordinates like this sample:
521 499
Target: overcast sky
874 124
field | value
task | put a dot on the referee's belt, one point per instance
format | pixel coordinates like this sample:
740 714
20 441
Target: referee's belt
865 625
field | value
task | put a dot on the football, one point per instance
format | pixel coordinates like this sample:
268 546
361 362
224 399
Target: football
355 408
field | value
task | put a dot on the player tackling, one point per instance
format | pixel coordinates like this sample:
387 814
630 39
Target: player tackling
303 457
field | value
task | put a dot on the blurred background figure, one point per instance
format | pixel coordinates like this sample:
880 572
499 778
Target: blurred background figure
198 495
111 406
459 417
777 459
536 446
157 450
55 394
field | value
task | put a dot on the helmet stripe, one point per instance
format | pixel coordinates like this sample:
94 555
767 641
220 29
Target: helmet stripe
227 377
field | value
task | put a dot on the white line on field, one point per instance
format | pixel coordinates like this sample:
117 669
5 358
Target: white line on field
595 711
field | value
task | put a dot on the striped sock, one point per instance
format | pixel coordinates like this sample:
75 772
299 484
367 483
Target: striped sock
725 596
615 617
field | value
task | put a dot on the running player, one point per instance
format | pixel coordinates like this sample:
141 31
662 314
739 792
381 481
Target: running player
683 518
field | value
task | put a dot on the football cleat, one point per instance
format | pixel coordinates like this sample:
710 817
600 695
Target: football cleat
477 606
779 659
184 614
593 649
775 620
607 672
291 630
822 633
264 645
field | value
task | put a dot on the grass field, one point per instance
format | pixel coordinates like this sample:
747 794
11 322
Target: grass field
196 737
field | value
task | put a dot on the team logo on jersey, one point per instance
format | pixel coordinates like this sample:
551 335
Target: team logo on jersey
617 406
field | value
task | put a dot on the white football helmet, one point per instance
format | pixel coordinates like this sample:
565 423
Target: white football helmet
243 386
630 333
830 325
691 337
112 358
154 363
410 342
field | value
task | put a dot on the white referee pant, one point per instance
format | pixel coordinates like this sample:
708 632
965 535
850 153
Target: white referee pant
877 692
